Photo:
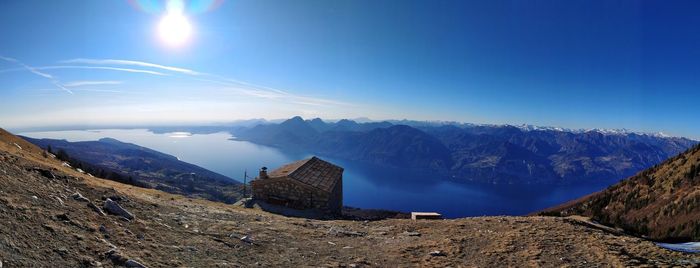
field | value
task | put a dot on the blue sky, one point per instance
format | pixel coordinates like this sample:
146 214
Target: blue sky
577 64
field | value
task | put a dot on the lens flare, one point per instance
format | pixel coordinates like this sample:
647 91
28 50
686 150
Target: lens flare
174 29
193 7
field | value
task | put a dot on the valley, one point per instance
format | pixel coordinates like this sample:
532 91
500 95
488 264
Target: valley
366 186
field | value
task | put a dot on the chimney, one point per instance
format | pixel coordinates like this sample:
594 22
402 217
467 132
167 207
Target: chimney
263 173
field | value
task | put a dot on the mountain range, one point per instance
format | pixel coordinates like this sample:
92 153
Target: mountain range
480 153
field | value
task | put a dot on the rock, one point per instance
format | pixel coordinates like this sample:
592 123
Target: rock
114 208
133 263
79 237
59 200
119 259
45 173
62 251
96 208
412 233
341 232
62 217
110 245
89 262
437 253
360 262
116 257
116 198
77 196
247 239
35 197
48 228
0 264
245 202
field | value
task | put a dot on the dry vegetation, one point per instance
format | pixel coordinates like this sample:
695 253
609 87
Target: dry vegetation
43 225
662 203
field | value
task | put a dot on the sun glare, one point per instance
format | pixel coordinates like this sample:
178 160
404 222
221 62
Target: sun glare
174 29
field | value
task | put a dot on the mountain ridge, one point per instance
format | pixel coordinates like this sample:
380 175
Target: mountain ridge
662 202
524 157
144 167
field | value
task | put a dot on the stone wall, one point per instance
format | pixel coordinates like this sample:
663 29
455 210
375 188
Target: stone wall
290 193
335 201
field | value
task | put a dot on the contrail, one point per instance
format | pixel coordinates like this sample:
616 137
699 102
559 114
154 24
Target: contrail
33 70
132 63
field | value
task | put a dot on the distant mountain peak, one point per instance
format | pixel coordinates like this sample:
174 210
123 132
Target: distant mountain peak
296 118
295 121
110 140
604 131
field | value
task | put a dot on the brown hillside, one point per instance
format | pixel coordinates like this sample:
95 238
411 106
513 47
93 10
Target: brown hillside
662 203
43 223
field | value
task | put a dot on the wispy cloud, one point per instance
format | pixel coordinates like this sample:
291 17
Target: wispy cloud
241 87
90 83
231 85
99 90
33 70
130 63
48 90
128 70
253 90
27 67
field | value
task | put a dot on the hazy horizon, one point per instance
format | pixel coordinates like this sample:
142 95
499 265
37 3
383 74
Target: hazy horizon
578 65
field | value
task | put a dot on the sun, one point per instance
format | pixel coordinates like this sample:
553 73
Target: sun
174 29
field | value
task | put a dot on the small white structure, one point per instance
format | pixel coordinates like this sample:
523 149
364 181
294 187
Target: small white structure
425 216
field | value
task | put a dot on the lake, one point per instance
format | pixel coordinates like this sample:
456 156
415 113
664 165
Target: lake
364 186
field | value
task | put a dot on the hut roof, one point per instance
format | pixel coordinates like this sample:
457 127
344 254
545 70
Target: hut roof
312 171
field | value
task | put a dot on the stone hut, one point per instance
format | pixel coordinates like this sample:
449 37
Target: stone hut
306 184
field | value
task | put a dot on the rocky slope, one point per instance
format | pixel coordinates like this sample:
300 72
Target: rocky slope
662 202
49 219
140 166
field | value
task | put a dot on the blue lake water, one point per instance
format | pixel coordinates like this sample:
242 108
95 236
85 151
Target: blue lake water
689 247
364 186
